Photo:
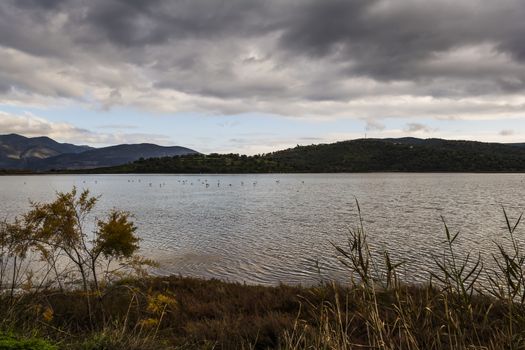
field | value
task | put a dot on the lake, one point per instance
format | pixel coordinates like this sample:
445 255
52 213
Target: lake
273 228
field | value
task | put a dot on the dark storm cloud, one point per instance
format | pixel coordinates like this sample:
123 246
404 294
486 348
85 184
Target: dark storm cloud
138 23
40 4
263 53
392 40
318 26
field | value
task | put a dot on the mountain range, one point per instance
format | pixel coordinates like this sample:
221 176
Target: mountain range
361 155
45 154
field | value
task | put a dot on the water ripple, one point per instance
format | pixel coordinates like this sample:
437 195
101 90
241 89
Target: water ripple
281 231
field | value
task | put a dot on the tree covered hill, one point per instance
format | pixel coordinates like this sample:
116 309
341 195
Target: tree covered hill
361 155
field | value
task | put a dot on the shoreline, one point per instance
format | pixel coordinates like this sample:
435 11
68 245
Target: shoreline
284 173
174 312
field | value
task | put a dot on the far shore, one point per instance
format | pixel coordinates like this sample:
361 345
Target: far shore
84 172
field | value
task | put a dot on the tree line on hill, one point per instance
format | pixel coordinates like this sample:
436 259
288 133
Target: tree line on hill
362 155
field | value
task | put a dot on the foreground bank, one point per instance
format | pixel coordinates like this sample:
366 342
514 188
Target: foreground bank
185 313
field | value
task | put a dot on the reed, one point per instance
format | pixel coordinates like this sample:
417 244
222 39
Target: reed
453 310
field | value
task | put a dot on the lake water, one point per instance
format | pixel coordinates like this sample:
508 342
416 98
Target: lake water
275 228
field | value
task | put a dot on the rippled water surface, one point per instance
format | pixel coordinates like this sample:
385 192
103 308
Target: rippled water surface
278 228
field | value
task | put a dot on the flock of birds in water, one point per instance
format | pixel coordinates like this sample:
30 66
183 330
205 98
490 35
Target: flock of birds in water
202 182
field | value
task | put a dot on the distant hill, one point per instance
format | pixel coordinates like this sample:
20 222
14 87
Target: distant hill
110 156
362 155
43 154
17 151
404 154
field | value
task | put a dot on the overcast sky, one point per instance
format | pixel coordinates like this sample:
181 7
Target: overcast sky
255 76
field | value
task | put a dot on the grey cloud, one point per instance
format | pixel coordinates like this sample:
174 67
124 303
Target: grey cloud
415 127
318 26
506 132
4 87
394 40
40 4
30 125
374 125
273 56
34 126
139 22
113 98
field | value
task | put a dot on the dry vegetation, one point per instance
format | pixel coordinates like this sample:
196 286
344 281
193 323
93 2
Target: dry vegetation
119 310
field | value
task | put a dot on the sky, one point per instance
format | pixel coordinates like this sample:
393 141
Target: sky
250 77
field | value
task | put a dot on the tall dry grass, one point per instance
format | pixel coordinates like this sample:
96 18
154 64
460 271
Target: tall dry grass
452 310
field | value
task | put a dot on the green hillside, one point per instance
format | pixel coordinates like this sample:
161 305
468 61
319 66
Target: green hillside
362 155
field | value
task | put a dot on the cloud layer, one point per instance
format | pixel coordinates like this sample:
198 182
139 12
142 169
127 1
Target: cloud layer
363 59
33 126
